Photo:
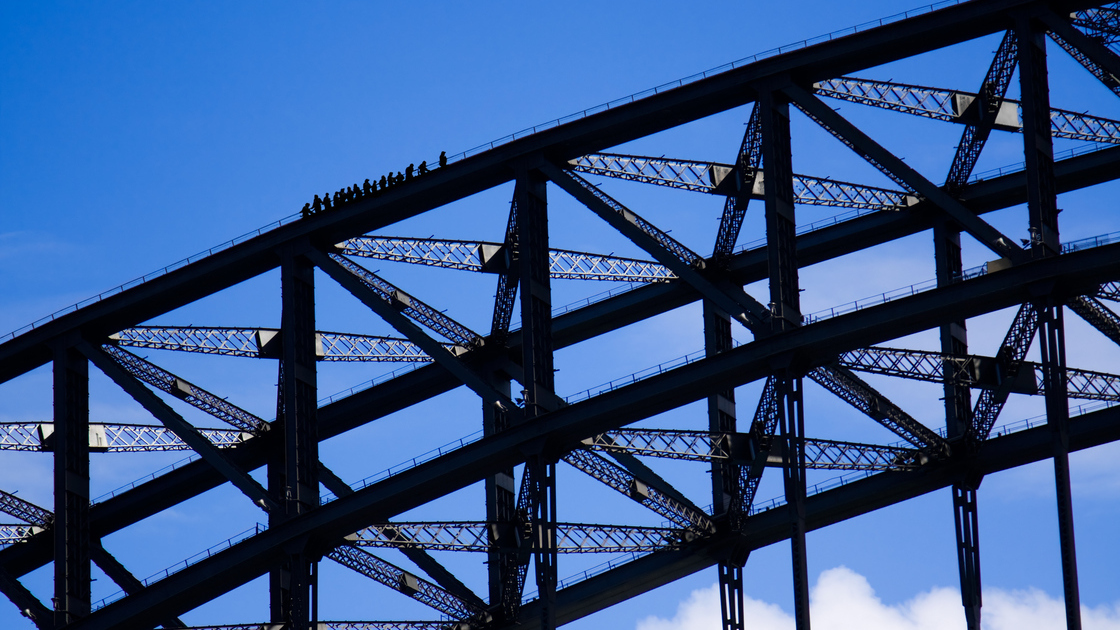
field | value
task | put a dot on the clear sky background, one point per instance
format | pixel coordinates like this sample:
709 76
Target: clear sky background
133 135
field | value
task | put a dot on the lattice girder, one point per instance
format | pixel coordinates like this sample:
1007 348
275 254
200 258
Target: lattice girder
807 190
412 307
622 481
977 371
704 446
12 534
473 536
400 580
955 106
264 343
24 510
114 438
487 257
190 393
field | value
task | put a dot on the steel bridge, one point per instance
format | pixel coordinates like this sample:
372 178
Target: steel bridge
1045 277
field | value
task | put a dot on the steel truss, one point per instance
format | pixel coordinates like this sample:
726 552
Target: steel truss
16 533
978 371
711 178
955 106
476 536
490 258
114 438
537 430
400 580
703 446
264 343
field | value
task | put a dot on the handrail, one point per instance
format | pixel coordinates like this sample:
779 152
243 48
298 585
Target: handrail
179 566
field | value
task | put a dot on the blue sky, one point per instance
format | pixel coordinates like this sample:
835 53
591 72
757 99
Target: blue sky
135 134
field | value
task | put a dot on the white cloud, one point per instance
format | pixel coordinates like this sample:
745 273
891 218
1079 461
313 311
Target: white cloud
1033 608
701 611
844 600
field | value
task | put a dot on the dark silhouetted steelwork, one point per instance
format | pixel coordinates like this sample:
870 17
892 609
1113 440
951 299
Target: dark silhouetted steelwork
538 430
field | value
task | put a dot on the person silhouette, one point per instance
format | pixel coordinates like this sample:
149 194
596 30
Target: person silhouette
408 171
327 201
384 183
305 211
423 167
442 159
316 205
366 188
400 178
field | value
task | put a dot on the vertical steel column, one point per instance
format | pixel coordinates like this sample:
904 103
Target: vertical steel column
505 559
71 486
785 310
544 536
792 424
781 223
1053 352
538 379
1038 145
731 595
293 469
954 335
721 410
968 551
958 418
725 475
1042 203
501 509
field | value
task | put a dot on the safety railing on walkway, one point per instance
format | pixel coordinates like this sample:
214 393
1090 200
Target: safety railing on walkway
408 464
886 296
179 566
1017 167
145 479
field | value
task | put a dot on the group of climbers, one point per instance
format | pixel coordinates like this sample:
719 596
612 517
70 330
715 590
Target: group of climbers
355 192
